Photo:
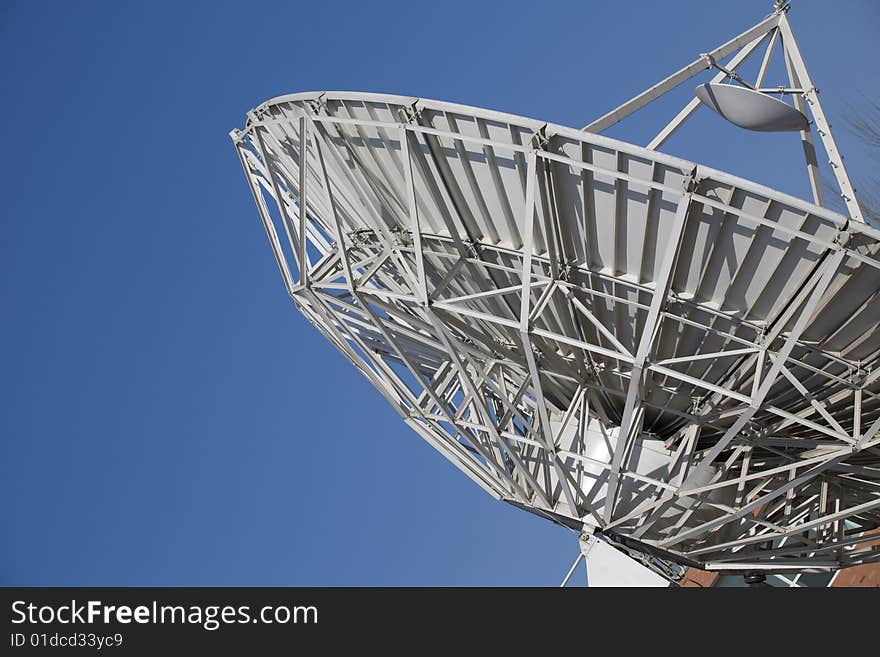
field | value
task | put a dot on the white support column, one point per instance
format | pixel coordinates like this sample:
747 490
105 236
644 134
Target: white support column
650 330
545 435
765 63
806 136
811 95
415 227
304 264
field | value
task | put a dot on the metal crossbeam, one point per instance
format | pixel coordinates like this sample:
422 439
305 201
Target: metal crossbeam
628 428
682 75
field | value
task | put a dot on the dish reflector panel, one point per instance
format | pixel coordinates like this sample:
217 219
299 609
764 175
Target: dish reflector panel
750 109
595 332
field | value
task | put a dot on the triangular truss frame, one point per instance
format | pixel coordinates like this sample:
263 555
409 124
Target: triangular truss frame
774 31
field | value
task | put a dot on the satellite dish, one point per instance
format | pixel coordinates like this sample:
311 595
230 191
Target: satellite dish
674 359
751 109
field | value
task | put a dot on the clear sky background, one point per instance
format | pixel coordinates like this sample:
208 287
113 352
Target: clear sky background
167 417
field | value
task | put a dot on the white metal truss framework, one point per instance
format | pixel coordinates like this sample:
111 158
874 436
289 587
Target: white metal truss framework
619 340
774 31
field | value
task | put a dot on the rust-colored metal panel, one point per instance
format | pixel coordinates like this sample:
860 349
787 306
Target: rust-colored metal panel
867 575
699 578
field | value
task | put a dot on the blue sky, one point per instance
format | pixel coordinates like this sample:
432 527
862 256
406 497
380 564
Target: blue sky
167 417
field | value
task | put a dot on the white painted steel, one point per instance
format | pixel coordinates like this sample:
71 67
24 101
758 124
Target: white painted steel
524 294
608 567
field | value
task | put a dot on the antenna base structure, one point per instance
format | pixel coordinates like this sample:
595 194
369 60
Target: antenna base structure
678 363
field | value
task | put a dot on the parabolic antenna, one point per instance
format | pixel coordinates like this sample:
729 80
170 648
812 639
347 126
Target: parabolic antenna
668 357
751 109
